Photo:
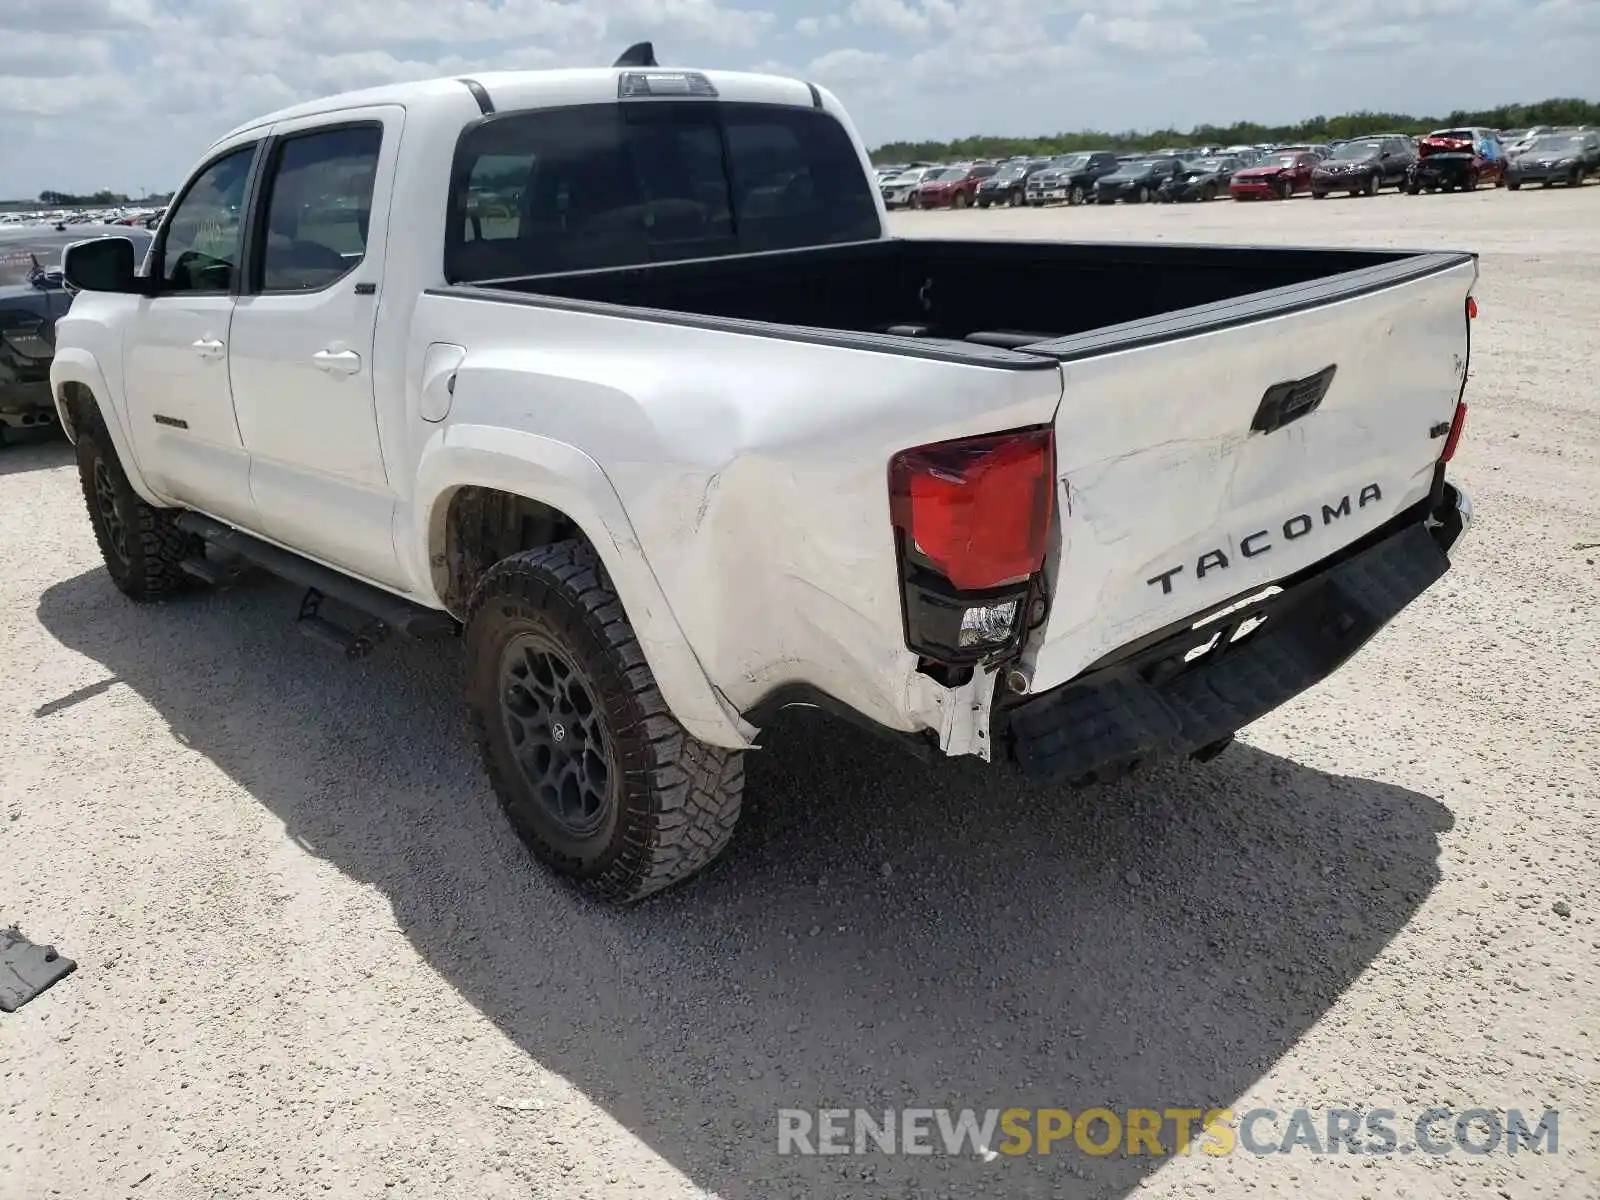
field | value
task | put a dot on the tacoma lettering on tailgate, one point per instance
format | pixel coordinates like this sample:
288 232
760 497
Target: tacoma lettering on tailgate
1254 545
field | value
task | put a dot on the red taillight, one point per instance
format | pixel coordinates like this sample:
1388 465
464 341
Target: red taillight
1472 309
978 509
1456 423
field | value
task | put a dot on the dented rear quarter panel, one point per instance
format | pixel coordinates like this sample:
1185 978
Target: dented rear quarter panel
753 470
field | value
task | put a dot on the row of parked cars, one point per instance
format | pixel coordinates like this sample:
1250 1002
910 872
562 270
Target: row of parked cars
1445 160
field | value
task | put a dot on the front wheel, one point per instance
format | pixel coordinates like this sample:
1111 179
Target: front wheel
1209 192
959 200
1077 195
1372 185
1014 200
1286 189
596 776
1577 177
141 545
1513 184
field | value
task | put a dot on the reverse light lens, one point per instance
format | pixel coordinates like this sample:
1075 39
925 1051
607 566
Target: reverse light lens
989 625
977 510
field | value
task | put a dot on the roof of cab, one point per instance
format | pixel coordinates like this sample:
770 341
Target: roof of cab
512 90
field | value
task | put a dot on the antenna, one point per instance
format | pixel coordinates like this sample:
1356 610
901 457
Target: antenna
640 54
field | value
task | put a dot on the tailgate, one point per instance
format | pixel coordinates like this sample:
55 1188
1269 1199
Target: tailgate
1170 504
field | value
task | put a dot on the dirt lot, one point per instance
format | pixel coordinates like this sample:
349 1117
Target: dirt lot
313 961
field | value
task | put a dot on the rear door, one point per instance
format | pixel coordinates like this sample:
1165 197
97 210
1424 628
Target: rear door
1170 504
301 352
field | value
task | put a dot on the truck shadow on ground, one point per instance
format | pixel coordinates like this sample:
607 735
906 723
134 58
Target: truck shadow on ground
882 934
34 450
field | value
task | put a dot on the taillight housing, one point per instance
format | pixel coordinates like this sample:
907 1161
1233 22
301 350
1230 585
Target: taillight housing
972 519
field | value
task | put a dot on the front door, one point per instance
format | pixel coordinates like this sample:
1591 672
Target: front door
301 349
180 405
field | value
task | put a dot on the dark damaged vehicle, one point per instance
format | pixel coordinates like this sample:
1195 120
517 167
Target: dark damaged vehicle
1009 185
32 295
1137 181
1448 159
1363 165
1199 179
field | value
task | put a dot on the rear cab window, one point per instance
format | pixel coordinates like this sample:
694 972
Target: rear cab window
614 185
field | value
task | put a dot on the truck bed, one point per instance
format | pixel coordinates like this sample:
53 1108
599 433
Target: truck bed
959 299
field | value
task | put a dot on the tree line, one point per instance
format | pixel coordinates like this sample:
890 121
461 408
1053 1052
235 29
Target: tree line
100 199
1317 129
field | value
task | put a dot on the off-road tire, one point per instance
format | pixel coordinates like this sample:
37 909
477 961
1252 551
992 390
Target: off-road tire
141 544
673 801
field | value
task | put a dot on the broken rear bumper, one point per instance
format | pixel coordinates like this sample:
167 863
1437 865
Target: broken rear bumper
1187 688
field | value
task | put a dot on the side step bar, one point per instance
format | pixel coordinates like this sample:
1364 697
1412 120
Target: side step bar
396 613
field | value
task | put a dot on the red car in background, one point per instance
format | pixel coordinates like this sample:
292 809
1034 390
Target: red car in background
1276 176
954 187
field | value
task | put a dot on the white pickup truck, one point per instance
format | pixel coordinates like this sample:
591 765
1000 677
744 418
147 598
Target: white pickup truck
618 375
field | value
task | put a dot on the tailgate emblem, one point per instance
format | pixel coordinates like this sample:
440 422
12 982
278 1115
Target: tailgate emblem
1291 400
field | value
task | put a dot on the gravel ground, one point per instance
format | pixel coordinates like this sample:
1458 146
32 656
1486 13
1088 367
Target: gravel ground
313 961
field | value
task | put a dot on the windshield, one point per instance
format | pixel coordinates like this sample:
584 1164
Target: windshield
1203 164
952 173
1556 143
1279 160
1353 150
1016 171
1071 163
1139 165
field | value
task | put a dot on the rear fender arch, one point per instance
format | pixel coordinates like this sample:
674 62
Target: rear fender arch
564 478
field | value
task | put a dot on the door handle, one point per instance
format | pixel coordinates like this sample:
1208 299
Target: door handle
209 348
337 362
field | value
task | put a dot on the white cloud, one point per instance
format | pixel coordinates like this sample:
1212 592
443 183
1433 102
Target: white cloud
817 26
1141 35
846 66
896 16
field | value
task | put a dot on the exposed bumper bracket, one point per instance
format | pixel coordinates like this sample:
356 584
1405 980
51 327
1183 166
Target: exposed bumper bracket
1191 689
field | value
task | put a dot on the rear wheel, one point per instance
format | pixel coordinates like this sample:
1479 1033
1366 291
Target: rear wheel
1316 195
1513 184
1471 184
140 544
596 776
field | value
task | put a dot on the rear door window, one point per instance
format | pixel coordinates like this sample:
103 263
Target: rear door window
624 184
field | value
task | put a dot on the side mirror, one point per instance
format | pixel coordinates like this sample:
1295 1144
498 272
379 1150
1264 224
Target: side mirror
104 264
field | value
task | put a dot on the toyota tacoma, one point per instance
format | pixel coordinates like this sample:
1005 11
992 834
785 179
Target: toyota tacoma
618 376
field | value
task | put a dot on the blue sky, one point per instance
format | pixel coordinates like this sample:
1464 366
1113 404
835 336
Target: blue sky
126 93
